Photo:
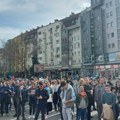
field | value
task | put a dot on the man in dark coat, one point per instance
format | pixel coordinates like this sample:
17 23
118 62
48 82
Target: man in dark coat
41 97
5 98
21 98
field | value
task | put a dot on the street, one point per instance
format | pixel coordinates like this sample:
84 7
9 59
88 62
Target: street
52 115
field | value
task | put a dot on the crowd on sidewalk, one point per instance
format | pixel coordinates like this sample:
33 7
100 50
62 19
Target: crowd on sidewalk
44 95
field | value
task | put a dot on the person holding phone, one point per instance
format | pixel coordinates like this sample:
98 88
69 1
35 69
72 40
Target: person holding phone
41 98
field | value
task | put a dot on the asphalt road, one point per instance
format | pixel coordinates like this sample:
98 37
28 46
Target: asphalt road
52 115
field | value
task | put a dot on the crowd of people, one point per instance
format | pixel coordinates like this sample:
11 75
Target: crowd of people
62 96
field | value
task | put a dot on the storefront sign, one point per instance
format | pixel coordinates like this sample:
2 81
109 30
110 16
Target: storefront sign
118 66
112 66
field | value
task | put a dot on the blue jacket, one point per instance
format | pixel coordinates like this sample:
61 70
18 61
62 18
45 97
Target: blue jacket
44 94
5 93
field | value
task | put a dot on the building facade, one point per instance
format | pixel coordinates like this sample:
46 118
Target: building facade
71 44
30 48
105 17
87 43
87 36
49 47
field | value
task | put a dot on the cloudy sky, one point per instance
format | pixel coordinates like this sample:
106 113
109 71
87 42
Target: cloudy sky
16 16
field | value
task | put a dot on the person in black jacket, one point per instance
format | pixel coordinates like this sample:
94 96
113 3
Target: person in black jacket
5 98
41 97
60 101
21 98
89 91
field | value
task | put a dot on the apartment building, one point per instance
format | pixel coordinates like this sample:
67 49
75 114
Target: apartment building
87 36
71 43
104 55
49 46
30 47
59 45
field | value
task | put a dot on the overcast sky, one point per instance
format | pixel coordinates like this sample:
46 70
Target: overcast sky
17 16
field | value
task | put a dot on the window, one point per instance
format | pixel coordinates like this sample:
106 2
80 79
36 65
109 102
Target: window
107 15
78 37
106 5
99 38
110 3
111 13
109 46
78 45
75 53
108 25
73 21
118 11
57 27
57 49
118 33
99 47
111 24
39 33
40 58
56 34
72 54
40 40
98 17
113 45
112 34
57 56
98 27
78 53
57 41
118 22
79 61
74 38
40 52
74 45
